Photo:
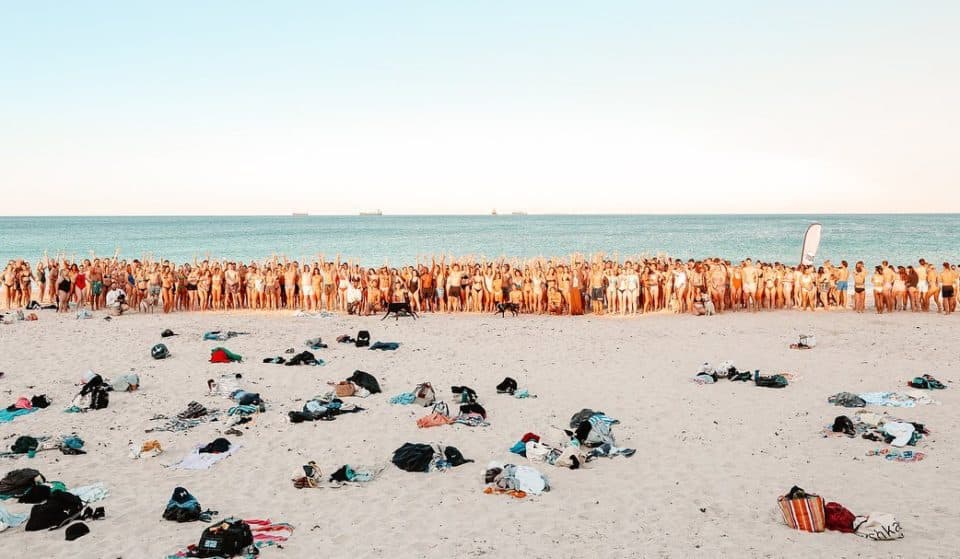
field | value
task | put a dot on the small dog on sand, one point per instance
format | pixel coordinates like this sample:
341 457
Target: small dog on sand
502 308
148 305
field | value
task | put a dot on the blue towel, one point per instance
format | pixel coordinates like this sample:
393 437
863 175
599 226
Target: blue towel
519 448
405 398
8 416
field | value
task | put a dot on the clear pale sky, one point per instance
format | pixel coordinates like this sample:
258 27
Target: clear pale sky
237 107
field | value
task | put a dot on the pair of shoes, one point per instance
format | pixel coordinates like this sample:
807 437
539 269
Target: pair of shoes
93 514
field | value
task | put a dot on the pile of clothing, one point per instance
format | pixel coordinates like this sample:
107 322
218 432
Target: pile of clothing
219 336
233 537
302 358
345 475
362 339
24 406
194 414
509 386
18 315
54 506
471 413
423 395
26 445
184 507
224 355
360 385
708 374
890 399
322 408
517 481
881 428
926 382
807 512
564 450
593 429
94 395
419 457
204 456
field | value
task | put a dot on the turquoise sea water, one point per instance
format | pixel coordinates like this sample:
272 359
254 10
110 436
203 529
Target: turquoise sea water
902 239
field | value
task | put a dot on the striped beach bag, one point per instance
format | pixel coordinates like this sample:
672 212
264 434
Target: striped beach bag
802 511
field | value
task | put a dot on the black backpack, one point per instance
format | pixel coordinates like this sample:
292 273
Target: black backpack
363 338
225 539
99 398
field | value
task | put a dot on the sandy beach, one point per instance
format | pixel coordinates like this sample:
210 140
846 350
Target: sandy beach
710 463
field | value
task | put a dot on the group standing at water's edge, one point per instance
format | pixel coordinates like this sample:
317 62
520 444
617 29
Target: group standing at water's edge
596 284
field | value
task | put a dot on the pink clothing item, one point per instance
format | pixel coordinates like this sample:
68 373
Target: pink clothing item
23 403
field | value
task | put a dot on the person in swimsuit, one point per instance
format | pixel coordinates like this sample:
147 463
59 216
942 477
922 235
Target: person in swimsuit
948 279
203 288
42 282
717 283
79 286
876 281
623 282
428 295
859 288
651 290
453 288
64 289
476 293
596 289
749 285
306 288
786 287
680 286
808 289
343 285
539 294
933 288
843 275
440 277
900 289
888 274
168 285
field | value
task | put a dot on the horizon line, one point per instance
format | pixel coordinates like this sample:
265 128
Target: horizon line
511 214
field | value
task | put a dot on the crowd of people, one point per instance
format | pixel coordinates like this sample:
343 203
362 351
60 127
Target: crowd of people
594 284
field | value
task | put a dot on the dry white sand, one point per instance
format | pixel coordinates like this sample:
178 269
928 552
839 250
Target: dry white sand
711 460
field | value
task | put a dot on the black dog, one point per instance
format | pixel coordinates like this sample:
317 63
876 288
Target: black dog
502 308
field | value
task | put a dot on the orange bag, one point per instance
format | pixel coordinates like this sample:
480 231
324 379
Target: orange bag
344 388
803 513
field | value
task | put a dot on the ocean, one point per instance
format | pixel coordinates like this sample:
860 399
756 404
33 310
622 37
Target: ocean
901 239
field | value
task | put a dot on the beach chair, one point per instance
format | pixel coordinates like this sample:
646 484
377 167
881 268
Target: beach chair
398 310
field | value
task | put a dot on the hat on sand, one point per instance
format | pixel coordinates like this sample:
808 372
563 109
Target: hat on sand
77 530
167 333
160 351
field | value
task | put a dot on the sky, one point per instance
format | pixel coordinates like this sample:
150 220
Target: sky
437 107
